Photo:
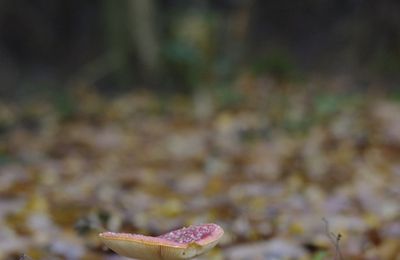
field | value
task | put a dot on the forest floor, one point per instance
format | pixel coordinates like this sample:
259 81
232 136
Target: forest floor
289 174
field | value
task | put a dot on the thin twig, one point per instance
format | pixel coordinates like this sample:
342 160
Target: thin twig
335 240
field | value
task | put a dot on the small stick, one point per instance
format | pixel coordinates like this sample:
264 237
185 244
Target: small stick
335 240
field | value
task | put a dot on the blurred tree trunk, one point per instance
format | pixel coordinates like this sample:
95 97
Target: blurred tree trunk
144 35
117 44
239 29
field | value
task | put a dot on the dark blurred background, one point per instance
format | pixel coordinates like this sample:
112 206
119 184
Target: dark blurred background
179 45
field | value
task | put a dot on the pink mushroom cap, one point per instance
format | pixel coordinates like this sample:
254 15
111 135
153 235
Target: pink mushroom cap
184 243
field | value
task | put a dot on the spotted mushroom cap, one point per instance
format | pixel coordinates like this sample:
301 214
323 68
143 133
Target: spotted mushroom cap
184 243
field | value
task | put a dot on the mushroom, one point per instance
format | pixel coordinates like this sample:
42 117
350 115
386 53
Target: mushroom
184 243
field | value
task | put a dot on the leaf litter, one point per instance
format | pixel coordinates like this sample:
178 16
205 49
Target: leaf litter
267 173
